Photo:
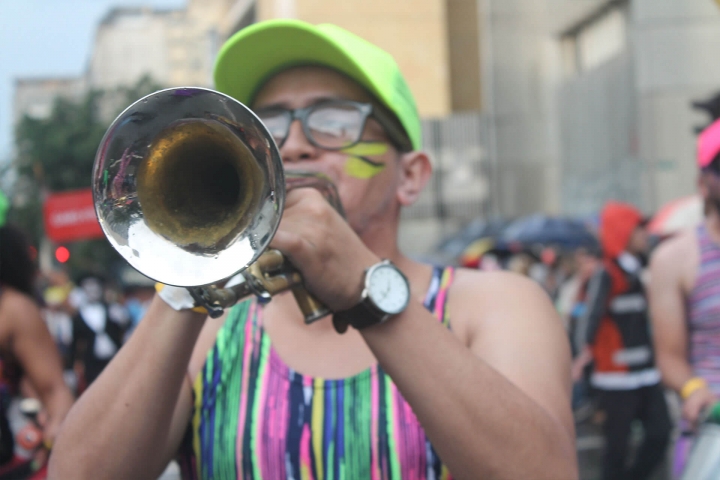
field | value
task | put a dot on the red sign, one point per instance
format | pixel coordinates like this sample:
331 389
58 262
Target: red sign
71 216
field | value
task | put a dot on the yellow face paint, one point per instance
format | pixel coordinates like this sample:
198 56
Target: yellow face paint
358 166
364 149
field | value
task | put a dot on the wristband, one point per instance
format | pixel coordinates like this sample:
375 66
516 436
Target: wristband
178 298
692 386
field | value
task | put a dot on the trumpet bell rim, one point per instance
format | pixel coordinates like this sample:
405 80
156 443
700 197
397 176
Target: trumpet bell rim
172 255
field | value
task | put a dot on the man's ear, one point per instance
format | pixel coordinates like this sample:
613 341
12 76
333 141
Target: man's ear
415 171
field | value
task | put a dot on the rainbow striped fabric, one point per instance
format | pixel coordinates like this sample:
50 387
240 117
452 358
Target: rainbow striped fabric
704 333
704 313
255 418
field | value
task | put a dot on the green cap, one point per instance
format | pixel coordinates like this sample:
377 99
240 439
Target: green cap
254 53
4 207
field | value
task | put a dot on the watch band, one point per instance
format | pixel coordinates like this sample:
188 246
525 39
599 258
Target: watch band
360 316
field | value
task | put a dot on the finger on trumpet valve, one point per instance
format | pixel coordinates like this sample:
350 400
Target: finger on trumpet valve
271 261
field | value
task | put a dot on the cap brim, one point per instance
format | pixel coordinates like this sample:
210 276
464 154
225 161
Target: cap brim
260 50
708 145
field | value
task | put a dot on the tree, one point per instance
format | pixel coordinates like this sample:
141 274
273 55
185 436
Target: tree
56 153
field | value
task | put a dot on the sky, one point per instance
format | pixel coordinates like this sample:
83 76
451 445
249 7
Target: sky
49 38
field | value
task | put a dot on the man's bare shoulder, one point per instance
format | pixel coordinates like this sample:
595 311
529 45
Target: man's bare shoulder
18 311
675 252
506 300
511 324
674 263
477 282
16 303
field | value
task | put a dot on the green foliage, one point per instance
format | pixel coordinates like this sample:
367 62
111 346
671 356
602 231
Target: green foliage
56 153
143 87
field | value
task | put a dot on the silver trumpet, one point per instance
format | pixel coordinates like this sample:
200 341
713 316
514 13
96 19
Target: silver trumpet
189 188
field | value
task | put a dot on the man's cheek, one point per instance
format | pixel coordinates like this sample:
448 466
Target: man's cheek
357 167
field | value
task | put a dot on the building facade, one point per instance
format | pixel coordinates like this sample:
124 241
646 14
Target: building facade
590 101
35 96
528 105
435 42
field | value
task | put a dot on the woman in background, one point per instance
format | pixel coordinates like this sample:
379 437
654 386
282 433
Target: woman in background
26 347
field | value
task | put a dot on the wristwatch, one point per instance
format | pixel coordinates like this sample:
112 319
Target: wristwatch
386 293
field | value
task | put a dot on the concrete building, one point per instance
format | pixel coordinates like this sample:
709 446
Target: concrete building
529 105
675 51
418 34
590 100
173 47
436 44
35 96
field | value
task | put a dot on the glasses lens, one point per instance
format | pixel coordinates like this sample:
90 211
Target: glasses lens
335 125
277 123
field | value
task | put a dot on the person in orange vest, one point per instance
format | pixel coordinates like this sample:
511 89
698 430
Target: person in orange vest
618 342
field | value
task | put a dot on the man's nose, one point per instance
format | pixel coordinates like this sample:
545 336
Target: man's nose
297 147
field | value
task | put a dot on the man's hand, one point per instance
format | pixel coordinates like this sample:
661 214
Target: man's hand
321 244
696 403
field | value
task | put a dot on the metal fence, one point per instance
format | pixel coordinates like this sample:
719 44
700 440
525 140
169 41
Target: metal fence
599 138
458 188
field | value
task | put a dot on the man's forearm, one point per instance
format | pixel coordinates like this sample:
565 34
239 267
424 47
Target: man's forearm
676 371
129 408
57 401
481 424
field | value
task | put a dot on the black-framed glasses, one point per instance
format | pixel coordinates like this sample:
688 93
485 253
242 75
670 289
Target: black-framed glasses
331 125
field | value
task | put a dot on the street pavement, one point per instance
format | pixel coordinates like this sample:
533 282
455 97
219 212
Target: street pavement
589 444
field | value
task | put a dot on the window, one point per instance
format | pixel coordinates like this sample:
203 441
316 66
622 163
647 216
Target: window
595 41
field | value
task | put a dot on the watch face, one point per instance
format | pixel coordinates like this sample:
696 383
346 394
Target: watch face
388 289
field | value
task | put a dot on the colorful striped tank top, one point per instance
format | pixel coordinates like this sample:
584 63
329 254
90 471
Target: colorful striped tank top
255 418
704 313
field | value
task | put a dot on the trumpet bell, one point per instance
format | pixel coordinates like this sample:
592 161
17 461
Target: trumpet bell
198 204
188 186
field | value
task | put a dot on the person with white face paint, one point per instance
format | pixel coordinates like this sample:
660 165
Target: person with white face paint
98 330
441 372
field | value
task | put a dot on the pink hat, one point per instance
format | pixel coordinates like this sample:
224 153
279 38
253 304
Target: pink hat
709 144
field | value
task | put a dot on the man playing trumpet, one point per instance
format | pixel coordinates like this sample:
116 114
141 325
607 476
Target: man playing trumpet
448 373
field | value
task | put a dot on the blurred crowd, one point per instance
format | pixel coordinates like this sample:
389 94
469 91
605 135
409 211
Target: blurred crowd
57 334
89 319
596 271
